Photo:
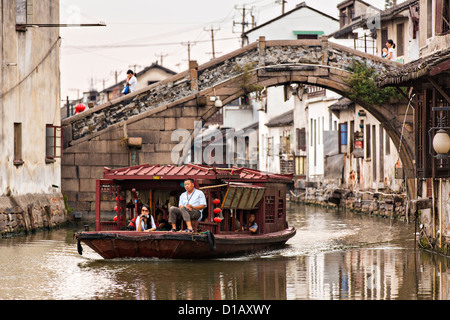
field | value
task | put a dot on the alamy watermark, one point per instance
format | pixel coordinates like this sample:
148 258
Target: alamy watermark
213 146
373 18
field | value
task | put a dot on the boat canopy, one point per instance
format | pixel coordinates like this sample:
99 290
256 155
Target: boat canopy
194 171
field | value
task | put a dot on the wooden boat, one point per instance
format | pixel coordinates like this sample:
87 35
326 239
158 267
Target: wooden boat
237 192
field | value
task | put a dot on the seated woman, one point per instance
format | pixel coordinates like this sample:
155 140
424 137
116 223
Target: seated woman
145 221
161 223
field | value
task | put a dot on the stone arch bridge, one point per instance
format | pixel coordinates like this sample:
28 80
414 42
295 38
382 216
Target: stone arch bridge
105 135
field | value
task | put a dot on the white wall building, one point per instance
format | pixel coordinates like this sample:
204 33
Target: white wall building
30 140
302 22
30 124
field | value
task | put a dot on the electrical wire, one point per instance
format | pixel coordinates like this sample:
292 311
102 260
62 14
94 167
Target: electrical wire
34 69
142 44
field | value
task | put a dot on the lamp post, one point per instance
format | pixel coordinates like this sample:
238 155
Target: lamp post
441 146
441 139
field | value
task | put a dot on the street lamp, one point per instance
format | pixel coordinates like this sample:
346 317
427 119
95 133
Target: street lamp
218 102
441 139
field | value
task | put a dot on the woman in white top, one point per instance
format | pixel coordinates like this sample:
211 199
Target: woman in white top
391 52
131 82
141 221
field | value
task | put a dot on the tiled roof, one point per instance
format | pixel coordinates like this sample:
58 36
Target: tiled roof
429 65
170 172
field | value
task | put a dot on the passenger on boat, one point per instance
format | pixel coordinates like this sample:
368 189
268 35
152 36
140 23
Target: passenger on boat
191 204
253 225
161 223
142 220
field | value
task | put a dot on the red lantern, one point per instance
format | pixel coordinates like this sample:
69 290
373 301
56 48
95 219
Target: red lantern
217 210
217 220
115 208
79 108
115 218
216 201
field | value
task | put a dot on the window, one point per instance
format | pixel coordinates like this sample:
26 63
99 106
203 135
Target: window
315 142
24 13
270 209
368 150
442 16
384 37
381 154
429 18
300 165
388 145
53 142
400 37
343 134
374 151
308 34
21 11
301 139
18 144
343 17
269 146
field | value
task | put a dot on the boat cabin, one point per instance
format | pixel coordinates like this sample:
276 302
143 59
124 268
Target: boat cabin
232 194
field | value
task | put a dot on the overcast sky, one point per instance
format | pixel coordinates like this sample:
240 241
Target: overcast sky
138 32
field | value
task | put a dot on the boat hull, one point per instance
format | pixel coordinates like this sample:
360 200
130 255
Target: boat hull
179 245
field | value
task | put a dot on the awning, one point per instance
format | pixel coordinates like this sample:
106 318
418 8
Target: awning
242 196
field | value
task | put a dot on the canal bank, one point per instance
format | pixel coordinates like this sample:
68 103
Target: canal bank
31 212
386 205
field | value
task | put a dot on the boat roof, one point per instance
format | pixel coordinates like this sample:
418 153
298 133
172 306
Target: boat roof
194 171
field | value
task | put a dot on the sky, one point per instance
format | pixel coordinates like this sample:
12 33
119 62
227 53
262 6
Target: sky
141 32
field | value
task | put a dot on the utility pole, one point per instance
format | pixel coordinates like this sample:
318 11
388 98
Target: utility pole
212 40
243 23
116 75
189 44
134 67
161 56
282 2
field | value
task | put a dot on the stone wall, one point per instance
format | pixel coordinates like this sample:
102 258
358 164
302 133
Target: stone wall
83 162
31 212
393 206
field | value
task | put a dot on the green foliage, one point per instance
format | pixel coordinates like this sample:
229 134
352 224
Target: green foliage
363 88
66 203
246 78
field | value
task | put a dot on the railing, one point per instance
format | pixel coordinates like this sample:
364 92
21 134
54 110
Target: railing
108 226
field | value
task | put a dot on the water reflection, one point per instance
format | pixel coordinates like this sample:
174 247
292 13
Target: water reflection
335 255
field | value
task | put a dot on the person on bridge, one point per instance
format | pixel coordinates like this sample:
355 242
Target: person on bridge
391 52
191 204
131 83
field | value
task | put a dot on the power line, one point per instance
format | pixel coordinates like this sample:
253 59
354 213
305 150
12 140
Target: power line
115 46
54 45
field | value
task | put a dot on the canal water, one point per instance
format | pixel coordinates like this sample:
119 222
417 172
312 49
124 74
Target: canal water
335 255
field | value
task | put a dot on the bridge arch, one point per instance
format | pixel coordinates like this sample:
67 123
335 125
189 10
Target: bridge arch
101 136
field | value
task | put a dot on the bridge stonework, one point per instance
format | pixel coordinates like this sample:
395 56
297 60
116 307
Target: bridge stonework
106 135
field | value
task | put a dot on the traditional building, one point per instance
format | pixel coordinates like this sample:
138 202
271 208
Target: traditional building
428 80
277 150
30 136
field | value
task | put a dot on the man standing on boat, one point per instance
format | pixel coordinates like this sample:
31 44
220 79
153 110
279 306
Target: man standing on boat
191 204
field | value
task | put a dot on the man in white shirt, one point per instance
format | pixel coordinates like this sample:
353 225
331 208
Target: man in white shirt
191 204
131 82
